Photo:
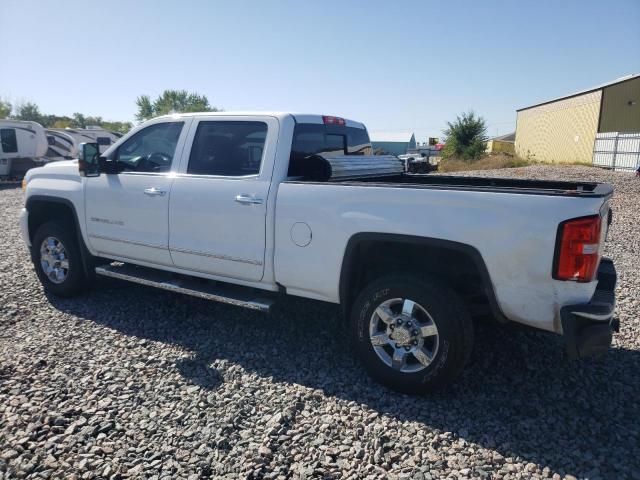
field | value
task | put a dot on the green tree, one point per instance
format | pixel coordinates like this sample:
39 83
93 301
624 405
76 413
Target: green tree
466 137
172 101
94 121
31 112
145 108
28 111
5 109
78 120
120 127
60 122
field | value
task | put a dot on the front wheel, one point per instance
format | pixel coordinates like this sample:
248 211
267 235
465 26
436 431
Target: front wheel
412 335
57 259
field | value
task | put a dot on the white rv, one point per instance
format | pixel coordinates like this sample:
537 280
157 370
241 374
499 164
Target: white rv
64 142
23 145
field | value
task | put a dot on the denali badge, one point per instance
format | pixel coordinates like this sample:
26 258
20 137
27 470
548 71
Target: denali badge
106 220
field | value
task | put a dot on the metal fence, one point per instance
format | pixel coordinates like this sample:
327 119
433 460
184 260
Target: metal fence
619 151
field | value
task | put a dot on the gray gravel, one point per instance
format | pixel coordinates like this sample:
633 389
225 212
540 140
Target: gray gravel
130 382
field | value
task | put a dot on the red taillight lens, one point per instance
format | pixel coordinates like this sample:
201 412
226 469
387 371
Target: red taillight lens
578 250
332 120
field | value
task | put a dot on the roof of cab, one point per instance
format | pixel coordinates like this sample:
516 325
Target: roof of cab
298 117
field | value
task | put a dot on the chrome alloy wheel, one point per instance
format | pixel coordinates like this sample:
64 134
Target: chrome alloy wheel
53 260
403 335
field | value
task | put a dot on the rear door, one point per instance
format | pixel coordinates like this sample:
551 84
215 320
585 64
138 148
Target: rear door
218 204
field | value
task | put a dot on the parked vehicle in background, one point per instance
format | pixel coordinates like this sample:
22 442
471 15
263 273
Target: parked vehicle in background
246 207
23 145
64 142
419 162
424 158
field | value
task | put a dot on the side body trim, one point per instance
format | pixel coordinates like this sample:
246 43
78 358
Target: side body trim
132 242
217 256
180 250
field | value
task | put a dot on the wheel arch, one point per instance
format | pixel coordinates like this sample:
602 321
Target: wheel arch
405 249
44 208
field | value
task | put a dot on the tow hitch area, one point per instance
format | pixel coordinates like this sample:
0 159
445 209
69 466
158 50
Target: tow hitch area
588 328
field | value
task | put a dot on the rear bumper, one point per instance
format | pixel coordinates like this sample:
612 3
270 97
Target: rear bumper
588 328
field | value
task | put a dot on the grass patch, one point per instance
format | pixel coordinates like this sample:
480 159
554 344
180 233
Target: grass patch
490 162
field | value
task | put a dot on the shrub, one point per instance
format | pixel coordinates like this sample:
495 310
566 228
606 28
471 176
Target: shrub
489 162
466 137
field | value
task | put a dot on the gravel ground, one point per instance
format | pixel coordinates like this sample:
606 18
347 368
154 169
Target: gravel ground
130 382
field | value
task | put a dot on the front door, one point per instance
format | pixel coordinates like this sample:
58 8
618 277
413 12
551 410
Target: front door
218 205
126 212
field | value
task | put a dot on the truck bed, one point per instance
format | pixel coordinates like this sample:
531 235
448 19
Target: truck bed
487 184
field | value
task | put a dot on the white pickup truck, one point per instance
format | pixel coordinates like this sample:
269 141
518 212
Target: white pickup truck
246 207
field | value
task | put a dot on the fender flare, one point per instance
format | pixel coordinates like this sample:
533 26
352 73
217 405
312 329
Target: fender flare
85 255
463 248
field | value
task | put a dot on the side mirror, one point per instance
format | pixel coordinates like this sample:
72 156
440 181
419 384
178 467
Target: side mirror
88 164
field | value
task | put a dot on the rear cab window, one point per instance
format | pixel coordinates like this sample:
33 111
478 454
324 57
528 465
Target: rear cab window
314 138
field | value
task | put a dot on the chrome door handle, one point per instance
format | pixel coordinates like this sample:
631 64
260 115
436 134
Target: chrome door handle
154 192
248 199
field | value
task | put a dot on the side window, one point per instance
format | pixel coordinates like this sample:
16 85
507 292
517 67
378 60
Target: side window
230 149
9 140
151 149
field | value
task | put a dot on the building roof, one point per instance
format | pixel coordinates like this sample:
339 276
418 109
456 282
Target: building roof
509 137
396 137
626 78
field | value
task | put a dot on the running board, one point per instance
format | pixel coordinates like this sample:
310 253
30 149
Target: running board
233 295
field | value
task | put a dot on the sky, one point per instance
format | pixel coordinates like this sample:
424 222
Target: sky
394 65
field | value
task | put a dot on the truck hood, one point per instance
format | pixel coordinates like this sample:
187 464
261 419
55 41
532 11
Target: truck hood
63 168
61 164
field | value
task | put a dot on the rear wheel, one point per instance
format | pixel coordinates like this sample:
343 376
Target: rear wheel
57 260
412 335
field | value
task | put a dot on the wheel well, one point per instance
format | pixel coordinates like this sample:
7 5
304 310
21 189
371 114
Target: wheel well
461 266
41 211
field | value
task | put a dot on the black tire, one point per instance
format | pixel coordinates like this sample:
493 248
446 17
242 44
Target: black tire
446 309
76 280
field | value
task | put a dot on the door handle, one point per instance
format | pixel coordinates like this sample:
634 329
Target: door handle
248 199
154 192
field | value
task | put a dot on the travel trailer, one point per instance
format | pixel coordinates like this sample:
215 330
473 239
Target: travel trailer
23 146
64 142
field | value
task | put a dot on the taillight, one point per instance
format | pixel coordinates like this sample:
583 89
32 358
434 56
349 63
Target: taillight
332 120
578 249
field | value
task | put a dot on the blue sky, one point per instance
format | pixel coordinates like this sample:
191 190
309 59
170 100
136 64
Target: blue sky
403 65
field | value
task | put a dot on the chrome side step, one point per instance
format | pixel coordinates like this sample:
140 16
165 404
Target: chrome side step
230 294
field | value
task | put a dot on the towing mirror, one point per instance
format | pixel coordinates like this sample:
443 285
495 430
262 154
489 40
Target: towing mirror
88 164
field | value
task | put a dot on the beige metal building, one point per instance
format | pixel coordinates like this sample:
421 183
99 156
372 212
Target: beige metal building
502 144
564 129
